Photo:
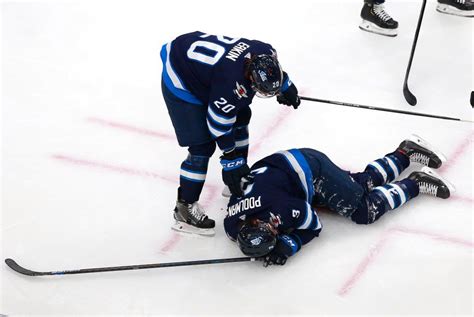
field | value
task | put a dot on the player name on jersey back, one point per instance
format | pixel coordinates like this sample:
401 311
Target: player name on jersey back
237 50
244 204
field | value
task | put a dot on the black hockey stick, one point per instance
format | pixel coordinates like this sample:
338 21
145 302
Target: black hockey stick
410 98
411 113
17 268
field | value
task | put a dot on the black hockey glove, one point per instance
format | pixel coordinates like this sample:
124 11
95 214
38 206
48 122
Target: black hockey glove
234 167
289 97
285 247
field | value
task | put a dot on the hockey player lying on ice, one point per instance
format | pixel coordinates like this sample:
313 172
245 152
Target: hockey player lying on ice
276 215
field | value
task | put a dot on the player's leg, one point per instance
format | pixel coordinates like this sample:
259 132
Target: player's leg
333 187
391 196
414 149
376 20
463 8
189 122
189 215
241 135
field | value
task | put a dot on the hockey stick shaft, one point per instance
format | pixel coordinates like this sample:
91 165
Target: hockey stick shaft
409 97
411 113
17 268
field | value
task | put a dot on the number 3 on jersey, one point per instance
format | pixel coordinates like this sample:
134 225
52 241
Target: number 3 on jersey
208 52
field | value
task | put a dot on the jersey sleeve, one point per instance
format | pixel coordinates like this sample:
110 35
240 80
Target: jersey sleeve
222 114
300 224
286 82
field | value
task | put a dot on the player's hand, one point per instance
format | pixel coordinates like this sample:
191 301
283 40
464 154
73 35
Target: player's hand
234 167
284 248
289 97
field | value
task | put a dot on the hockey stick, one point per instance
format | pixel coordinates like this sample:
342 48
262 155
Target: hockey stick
411 113
17 268
410 98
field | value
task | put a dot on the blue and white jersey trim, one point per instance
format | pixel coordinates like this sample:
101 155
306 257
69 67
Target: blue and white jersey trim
172 80
287 83
298 163
192 175
311 220
217 132
221 119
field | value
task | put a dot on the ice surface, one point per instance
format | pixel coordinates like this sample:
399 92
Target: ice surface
90 163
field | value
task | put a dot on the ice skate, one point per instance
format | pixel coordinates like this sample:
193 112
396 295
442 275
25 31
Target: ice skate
430 183
376 20
190 218
464 8
420 151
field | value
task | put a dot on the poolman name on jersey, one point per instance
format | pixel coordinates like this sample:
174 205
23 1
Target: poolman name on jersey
244 204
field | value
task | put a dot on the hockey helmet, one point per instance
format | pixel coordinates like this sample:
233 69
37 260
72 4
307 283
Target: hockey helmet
256 238
266 75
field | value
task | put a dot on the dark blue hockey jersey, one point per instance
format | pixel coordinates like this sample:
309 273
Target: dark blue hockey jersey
280 192
208 70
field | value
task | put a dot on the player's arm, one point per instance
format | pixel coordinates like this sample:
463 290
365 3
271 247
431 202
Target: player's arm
289 93
306 225
221 117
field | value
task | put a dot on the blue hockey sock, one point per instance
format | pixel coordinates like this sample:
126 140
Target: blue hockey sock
395 194
192 177
388 168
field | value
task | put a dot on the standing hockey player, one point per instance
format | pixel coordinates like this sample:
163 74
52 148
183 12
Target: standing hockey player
208 83
275 217
376 20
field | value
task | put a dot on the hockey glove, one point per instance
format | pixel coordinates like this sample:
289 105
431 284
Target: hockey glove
234 167
285 247
289 97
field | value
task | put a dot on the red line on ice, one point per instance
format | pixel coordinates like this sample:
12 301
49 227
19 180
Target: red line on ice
282 115
458 152
171 242
111 167
129 128
375 251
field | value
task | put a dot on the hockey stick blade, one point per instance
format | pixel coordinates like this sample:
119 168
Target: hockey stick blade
472 98
409 97
19 269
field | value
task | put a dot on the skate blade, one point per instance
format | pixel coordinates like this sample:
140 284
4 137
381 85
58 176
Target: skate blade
444 8
187 228
429 171
420 141
373 28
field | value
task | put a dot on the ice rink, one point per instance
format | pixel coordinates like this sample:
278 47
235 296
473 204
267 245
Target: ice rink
90 164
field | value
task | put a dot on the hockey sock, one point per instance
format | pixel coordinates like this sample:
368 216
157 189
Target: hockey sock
192 177
388 168
384 198
395 194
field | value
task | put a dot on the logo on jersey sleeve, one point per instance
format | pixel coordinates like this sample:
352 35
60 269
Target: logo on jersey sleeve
295 213
240 91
